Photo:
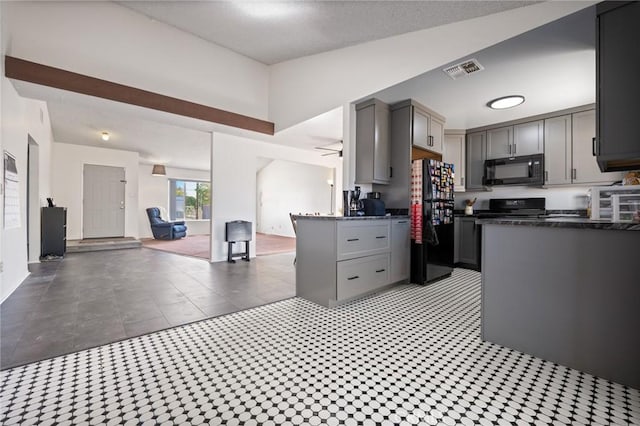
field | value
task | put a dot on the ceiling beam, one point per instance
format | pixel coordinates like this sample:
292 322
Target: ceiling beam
45 75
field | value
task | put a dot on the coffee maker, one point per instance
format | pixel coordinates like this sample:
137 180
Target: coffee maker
352 205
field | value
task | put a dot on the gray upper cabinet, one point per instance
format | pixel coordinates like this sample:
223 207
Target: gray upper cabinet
528 138
585 166
557 150
476 155
617 85
499 142
372 142
420 129
521 139
410 124
454 153
568 151
426 126
436 132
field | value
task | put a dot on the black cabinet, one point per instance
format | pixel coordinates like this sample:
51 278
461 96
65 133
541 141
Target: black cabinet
468 238
53 235
617 145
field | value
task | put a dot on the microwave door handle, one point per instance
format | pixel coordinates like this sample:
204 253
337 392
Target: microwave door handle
530 169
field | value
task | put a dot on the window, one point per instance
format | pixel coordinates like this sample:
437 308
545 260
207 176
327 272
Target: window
189 199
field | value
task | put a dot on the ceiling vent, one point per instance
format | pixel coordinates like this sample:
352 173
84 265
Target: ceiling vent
463 69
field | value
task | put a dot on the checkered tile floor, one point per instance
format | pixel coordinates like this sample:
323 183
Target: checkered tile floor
408 356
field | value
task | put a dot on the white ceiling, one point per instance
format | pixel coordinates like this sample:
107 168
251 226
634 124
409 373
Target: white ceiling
275 31
552 66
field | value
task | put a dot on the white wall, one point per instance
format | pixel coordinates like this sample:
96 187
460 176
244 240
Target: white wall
154 192
14 140
39 125
233 171
67 176
2 48
558 198
109 41
285 187
303 88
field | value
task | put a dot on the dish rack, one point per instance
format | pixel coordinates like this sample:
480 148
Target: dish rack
615 203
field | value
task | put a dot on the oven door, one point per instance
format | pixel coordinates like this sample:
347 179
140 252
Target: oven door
523 170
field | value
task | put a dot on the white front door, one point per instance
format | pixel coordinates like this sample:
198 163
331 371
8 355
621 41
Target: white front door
103 201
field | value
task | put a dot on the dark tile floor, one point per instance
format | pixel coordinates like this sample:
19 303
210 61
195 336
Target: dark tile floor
89 299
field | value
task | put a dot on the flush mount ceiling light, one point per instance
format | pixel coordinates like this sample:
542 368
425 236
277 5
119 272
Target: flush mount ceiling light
105 136
506 102
158 170
268 10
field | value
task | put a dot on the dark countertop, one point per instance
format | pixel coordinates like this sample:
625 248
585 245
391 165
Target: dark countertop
563 222
328 217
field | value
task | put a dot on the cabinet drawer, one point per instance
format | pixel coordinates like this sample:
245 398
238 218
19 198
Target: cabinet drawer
358 239
358 276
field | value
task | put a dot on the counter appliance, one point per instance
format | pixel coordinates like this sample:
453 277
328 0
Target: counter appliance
521 170
432 229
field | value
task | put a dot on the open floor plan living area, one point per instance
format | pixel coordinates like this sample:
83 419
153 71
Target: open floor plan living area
363 213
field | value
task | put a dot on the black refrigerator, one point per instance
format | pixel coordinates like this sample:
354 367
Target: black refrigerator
432 228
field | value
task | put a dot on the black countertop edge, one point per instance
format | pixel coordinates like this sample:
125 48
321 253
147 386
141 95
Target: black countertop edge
563 222
581 213
328 217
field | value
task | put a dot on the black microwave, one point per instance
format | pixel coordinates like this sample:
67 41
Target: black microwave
521 170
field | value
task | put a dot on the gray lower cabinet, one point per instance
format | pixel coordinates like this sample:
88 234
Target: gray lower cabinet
468 236
339 259
400 249
476 154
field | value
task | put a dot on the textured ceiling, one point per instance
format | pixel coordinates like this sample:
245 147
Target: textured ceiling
273 32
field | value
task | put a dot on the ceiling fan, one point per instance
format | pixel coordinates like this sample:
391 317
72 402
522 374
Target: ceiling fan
334 149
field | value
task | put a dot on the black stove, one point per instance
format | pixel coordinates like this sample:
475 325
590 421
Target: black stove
515 207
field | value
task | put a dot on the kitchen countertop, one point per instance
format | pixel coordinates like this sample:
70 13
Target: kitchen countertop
329 217
563 222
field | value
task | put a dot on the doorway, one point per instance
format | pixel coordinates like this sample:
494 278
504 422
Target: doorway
103 201
33 200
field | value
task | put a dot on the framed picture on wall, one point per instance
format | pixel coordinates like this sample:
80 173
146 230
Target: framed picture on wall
11 192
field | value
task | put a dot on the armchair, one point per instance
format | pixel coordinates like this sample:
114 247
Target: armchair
163 230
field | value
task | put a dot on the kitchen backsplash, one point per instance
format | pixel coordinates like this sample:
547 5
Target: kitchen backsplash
563 198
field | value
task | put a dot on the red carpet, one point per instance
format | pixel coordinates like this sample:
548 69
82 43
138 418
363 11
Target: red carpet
191 245
199 246
272 244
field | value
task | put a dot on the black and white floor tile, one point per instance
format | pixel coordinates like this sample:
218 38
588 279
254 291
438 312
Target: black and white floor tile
408 356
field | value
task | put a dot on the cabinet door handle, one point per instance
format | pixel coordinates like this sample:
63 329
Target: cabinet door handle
546 176
381 236
462 181
355 277
509 149
430 140
514 149
353 239
574 174
402 221
380 270
594 151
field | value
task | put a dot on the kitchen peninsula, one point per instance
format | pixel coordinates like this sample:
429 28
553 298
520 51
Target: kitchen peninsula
565 290
341 258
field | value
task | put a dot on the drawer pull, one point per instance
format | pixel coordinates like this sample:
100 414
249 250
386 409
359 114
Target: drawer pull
381 236
381 270
355 277
402 221
353 239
